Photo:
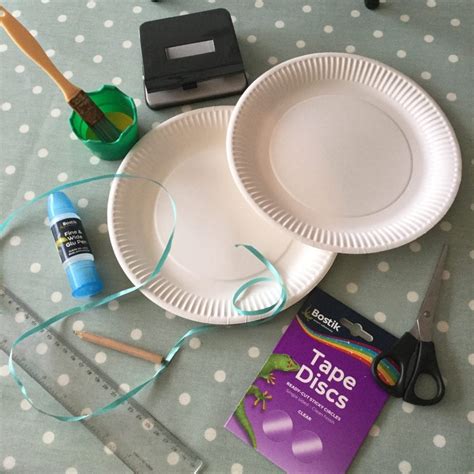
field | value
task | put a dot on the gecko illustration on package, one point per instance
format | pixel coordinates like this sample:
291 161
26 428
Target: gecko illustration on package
315 400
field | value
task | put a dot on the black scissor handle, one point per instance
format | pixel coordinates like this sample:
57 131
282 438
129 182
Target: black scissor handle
427 364
401 353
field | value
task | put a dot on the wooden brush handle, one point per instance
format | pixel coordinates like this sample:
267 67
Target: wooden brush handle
25 41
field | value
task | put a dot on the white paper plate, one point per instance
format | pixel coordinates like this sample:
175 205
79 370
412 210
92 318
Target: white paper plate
187 154
344 152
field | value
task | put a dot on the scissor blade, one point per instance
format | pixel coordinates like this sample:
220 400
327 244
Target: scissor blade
424 323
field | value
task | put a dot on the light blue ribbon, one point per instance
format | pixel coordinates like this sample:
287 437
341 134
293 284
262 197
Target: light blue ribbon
271 310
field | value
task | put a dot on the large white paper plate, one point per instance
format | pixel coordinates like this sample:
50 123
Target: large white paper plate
344 152
187 154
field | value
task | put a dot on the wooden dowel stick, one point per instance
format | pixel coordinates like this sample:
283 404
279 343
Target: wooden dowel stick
119 346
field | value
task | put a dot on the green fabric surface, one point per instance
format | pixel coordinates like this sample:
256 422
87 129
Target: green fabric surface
97 42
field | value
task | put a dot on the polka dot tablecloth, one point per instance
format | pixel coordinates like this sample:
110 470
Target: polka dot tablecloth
96 42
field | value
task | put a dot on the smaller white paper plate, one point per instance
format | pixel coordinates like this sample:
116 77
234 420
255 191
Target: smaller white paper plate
187 154
343 152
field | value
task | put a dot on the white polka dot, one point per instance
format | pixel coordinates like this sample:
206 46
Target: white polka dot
428 38
380 317
41 348
50 53
442 326
62 18
195 343
350 48
137 9
284 328
43 153
455 22
3 48
300 44
68 74
470 417
10 169
254 352
35 267
401 53
378 34
20 317
426 75
211 1
79 39
453 58
24 128
113 305
328 29
116 81
445 275
259 4
91 4
86 411
471 305
34 33
405 18
404 467
70 470
184 399
29 195
97 58
83 202
48 437
412 296
431 3
470 358
46 221
25 405
279 24
355 13
78 325
252 39
127 44
407 407
124 387
108 23
147 424
103 228
15 241
56 296
233 18
169 315
4 371
45 1
471 254
352 288
415 247
210 434
100 357
219 376
9 463
136 334
94 160
236 468
6 106
307 8
439 441
446 226
374 431
63 380
110 448
20 68
172 459
272 60
383 267
451 96
137 101
62 177
37 90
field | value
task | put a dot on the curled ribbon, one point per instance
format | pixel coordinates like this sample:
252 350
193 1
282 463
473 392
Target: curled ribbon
272 310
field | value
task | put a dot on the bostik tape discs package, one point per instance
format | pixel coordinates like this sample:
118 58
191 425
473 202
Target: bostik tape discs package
314 401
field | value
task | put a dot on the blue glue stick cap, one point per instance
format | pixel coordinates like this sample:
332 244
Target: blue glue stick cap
73 246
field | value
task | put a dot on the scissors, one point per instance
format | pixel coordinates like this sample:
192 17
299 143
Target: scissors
415 352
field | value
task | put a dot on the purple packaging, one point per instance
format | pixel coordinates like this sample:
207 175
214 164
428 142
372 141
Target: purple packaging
314 401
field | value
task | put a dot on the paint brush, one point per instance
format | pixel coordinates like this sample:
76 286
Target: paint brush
75 97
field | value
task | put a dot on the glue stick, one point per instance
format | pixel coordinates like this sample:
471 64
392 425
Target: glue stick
73 246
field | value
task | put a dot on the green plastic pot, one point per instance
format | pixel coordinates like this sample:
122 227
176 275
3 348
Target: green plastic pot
121 111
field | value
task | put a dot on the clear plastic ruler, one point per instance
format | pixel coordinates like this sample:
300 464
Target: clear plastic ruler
139 440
